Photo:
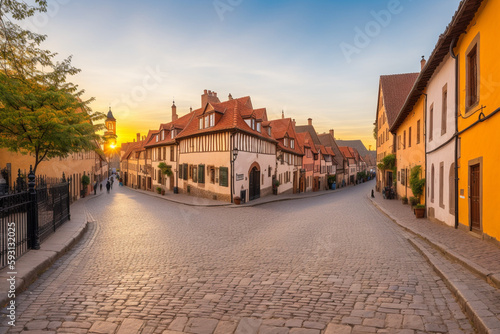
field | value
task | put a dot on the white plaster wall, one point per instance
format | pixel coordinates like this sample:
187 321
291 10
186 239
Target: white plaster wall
217 159
242 166
444 75
282 169
447 156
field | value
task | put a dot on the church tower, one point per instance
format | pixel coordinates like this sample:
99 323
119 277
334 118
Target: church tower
110 133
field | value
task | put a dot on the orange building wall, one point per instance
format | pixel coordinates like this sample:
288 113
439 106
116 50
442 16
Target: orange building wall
480 145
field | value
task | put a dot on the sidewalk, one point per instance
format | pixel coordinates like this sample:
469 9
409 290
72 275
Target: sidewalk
479 256
33 263
204 202
469 266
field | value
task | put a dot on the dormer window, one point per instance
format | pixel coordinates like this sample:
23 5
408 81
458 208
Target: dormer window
253 124
285 142
269 131
163 135
156 138
212 120
258 127
172 134
292 143
206 122
201 123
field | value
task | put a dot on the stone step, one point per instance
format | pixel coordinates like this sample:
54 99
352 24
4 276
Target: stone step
479 300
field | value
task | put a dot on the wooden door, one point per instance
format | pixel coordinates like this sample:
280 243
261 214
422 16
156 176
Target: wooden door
475 198
254 184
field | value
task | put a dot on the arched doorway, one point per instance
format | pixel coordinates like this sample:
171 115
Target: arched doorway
254 183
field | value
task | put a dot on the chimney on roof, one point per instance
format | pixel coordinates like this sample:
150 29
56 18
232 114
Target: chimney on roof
309 121
422 63
209 97
190 109
293 122
230 97
138 137
282 114
332 134
174 112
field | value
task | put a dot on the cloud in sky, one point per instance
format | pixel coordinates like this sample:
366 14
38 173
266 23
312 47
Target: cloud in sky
287 55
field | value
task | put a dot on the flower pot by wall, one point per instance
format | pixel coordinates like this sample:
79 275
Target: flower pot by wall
237 200
419 212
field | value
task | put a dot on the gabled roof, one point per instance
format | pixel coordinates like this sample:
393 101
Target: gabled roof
346 152
231 119
178 124
327 140
305 140
395 89
458 25
281 128
357 144
310 129
329 151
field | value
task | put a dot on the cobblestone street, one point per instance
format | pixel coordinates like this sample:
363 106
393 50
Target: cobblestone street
329 264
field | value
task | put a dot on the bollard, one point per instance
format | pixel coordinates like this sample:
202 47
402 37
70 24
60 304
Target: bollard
373 195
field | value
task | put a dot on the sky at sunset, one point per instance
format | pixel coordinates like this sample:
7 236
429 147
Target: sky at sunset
317 59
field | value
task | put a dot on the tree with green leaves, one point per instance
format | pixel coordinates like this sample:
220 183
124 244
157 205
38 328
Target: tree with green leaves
165 169
41 112
417 184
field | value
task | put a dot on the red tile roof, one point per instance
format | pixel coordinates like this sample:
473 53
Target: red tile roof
305 140
282 127
395 89
232 112
178 124
346 151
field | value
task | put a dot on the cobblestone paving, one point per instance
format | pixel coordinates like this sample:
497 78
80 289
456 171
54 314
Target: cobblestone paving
331 264
482 253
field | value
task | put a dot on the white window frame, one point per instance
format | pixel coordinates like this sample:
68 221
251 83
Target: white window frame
212 120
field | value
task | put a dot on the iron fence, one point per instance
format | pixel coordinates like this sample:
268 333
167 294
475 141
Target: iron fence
30 212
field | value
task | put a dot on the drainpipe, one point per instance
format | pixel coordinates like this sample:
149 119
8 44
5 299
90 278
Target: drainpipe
425 149
231 147
454 56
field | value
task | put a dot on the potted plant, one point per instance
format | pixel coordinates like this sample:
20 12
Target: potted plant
331 181
413 201
237 200
419 210
158 190
276 184
416 183
85 183
163 192
404 199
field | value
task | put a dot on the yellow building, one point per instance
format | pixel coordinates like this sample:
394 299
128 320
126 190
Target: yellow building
410 144
393 90
477 50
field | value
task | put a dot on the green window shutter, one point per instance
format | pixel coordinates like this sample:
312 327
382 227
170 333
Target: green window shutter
223 176
201 173
185 174
181 169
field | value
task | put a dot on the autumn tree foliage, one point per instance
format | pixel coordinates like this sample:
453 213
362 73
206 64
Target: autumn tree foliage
41 112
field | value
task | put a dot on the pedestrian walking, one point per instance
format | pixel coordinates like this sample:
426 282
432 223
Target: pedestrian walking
112 181
100 186
108 186
95 188
121 182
